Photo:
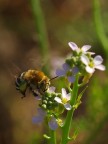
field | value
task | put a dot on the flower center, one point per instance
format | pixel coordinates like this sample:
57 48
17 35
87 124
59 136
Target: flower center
91 64
64 100
60 122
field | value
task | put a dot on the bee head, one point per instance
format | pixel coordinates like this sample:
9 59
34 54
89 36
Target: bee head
43 85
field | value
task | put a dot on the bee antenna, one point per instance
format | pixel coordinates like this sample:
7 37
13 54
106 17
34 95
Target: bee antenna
53 78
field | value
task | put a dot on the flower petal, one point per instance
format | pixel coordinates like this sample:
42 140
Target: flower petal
41 111
85 48
73 46
100 67
75 70
64 93
98 60
37 119
51 89
71 79
91 53
38 97
85 59
68 96
67 106
60 72
53 124
89 69
40 116
57 99
66 67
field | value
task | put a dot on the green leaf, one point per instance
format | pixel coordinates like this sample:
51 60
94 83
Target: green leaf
46 136
76 132
78 101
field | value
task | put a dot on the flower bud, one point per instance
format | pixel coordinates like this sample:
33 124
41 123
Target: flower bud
44 106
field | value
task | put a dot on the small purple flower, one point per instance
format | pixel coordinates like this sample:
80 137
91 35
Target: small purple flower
53 123
67 71
64 99
40 118
71 78
51 89
63 71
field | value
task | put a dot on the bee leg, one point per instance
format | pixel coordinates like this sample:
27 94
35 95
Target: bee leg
34 93
30 88
44 90
38 87
23 96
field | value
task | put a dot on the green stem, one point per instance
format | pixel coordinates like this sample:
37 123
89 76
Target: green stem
68 121
99 25
41 30
52 137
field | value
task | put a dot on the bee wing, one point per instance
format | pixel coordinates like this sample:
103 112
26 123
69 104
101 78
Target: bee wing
40 65
35 63
14 71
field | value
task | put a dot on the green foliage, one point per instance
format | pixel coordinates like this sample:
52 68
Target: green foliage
98 100
97 107
42 32
34 138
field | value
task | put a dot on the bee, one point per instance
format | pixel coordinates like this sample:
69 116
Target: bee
34 80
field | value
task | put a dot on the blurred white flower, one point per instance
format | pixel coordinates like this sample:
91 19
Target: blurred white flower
84 48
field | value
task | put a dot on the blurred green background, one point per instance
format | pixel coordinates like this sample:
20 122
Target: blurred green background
21 48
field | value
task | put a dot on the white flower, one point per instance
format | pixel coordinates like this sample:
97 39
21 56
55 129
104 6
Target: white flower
84 48
64 99
94 64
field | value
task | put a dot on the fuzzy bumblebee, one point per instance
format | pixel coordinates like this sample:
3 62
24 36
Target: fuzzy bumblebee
36 81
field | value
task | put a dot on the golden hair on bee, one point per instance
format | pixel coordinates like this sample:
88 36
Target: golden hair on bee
35 75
